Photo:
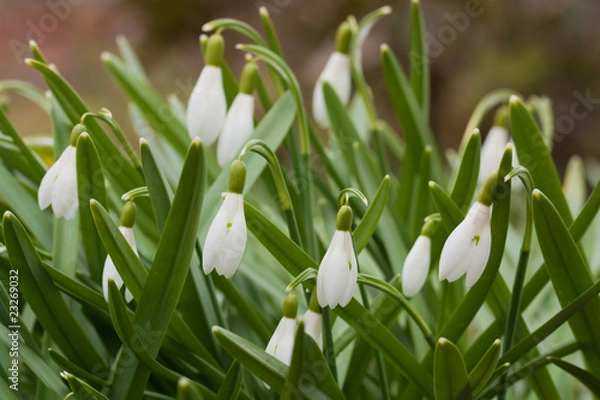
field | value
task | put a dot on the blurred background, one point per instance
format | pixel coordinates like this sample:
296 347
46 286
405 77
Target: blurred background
549 48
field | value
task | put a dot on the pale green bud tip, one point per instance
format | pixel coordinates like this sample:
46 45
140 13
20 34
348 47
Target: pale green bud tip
344 219
77 130
290 306
249 76
486 195
501 117
128 215
430 227
314 303
214 50
237 177
343 36
514 99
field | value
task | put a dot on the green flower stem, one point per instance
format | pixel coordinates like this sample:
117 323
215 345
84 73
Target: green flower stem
240 27
141 191
328 347
360 34
396 295
106 116
345 194
259 147
305 172
517 292
383 378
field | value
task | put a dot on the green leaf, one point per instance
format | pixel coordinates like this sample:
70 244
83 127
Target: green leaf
45 299
156 111
187 390
315 366
419 59
535 156
451 214
67 365
38 366
368 223
90 185
569 274
81 389
421 202
169 269
266 367
450 381
484 369
27 90
466 179
230 388
157 188
582 375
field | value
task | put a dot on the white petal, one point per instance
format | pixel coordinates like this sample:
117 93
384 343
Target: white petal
237 128
129 237
352 264
64 191
336 273
313 326
110 272
480 255
492 151
416 266
337 73
281 344
226 238
207 106
45 189
453 261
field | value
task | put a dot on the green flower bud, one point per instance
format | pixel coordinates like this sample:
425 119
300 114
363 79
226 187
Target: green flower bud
237 177
77 130
344 219
128 215
214 50
290 306
343 36
486 195
249 76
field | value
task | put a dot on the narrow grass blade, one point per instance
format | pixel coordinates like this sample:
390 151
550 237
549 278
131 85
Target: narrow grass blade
589 380
484 369
230 388
466 179
419 59
450 381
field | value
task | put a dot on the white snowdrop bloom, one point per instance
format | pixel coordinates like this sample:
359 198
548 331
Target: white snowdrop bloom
207 104
226 238
313 321
492 151
416 266
239 122
281 345
336 279
110 271
337 73
59 186
467 249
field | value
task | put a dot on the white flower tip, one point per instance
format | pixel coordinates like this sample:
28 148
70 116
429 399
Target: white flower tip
143 142
385 10
207 27
105 56
476 131
514 99
216 329
263 11
537 193
497 342
431 184
442 341
196 142
416 1
384 48
240 46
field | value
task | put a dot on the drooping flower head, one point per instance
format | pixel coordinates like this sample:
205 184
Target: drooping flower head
281 345
239 122
467 249
313 320
336 279
418 259
207 104
337 73
59 186
110 271
226 238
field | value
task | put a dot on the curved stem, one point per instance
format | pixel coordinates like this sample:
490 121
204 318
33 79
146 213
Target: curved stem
262 149
106 116
235 25
141 191
346 193
396 295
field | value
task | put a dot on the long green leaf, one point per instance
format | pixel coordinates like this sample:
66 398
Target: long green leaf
466 179
569 274
368 223
45 299
419 59
450 381
589 380
484 369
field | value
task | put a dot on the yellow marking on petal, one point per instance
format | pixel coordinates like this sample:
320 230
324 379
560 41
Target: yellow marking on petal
349 265
229 225
476 239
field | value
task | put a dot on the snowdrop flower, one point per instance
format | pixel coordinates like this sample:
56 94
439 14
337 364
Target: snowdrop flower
226 238
336 279
59 186
336 73
313 320
239 122
416 264
467 249
207 105
110 271
492 151
281 345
